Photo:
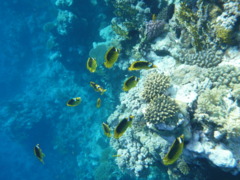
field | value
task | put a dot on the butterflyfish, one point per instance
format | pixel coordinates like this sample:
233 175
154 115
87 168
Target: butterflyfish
38 153
122 126
138 65
98 105
130 83
117 155
97 88
91 64
74 102
175 151
106 130
111 57
154 17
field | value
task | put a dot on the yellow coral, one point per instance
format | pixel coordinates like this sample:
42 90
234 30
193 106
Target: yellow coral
224 34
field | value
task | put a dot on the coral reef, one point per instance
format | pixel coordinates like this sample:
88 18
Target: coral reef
153 29
226 75
225 23
135 158
216 108
130 16
161 110
107 169
198 97
155 85
204 58
201 34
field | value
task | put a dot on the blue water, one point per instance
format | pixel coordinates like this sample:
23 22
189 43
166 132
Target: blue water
34 90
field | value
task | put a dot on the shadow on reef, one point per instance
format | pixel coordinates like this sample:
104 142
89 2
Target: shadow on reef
215 173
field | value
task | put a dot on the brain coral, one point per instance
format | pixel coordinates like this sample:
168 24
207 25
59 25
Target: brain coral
205 58
160 110
155 84
224 75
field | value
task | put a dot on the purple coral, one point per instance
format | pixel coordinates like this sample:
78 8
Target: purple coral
153 29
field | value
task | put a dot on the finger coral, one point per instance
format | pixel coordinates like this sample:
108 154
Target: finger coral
160 110
155 84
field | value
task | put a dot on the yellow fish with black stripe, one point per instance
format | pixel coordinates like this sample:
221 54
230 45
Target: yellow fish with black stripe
97 88
38 153
74 102
111 57
91 64
130 83
99 102
138 65
117 155
175 151
122 126
106 130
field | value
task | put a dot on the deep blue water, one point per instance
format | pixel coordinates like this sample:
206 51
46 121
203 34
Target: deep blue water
33 92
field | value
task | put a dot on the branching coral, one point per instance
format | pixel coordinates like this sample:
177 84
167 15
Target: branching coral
224 34
155 84
160 110
226 22
189 19
131 13
138 150
216 107
205 31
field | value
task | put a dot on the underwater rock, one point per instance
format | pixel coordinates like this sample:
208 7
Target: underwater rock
222 158
218 135
218 154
